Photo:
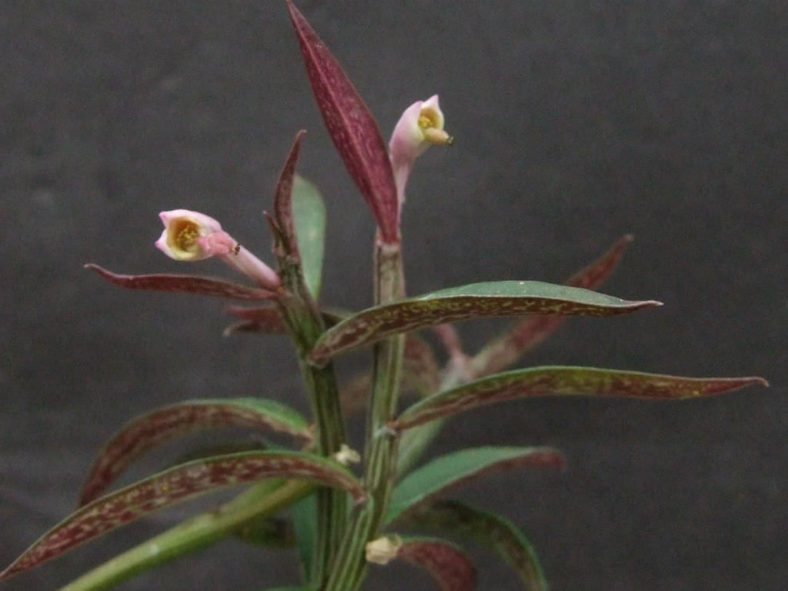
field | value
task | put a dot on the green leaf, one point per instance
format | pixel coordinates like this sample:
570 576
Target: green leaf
490 530
565 381
163 424
175 485
309 215
501 298
304 516
449 567
270 532
447 472
532 330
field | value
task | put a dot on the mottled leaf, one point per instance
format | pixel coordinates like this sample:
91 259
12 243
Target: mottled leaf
184 284
309 214
447 472
352 128
532 330
449 567
500 298
175 485
565 381
488 529
163 424
283 200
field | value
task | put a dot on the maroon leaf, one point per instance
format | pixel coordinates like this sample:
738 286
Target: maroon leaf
449 567
184 283
564 381
147 431
352 128
283 199
532 330
494 298
175 485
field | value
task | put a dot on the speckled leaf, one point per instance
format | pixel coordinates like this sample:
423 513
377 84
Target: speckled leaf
488 529
447 472
309 214
532 330
351 126
175 485
449 567
283 200
499 298
267 320
184 284
163 424
565 381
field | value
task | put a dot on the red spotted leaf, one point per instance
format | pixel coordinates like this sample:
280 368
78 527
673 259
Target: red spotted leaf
283 199
532 330
489 530
176 485
149 430
351 126
184 284
500 298
458 468
565 381
449 567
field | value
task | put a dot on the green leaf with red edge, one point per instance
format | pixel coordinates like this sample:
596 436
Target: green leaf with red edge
448 565
352 128
163 424
529 332
498 298
565 381
488 529
455 469
175 485
184 284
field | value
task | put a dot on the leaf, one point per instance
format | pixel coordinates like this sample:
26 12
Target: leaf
499 298
565 381
309 214
175 485
184 284
490 530
532 330
304 516
163 424
267 320
455 469
352 128
449 567
283 200
270 532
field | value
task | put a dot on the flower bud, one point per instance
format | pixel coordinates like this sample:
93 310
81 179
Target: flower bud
384 549
193 236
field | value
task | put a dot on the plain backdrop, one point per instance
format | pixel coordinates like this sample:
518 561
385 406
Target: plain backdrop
576 122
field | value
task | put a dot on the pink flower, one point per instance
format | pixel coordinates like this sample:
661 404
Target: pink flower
420 126
193 236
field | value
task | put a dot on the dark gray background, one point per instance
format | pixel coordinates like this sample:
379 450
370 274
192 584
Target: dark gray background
576 122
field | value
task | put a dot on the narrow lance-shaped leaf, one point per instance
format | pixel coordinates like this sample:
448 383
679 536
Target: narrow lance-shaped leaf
163 424
500 298
449 567
565 381
488 529
309 216
532 330
352 128
455 469
283 200
184 284
175 485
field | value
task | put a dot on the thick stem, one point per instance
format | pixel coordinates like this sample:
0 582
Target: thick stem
265 498
381 444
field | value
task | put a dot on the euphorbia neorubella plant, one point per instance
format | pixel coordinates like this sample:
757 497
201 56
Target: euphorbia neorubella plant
342 517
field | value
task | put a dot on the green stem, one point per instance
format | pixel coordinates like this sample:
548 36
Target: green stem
381 445
263 499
